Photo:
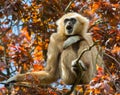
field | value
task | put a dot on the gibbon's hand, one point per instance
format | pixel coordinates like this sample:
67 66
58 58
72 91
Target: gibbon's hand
71 40
76 64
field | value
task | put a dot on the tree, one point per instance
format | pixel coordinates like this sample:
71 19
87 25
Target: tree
25 28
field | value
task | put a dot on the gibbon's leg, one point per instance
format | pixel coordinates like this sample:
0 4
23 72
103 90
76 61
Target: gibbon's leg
67 74
87 62
51 72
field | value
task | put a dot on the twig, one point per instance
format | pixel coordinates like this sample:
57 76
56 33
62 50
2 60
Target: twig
80 75
99 21
87 49
112 79
112 58
67 8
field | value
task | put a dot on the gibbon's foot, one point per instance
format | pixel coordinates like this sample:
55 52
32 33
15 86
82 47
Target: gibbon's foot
71 40
76 65
11 80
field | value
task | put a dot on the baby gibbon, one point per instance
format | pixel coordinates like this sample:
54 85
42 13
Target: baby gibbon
64 48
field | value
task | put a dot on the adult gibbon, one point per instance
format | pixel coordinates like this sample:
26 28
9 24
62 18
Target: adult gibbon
64 48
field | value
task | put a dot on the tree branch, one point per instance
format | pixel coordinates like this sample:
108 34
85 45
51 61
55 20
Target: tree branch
67 8
112 58
79 75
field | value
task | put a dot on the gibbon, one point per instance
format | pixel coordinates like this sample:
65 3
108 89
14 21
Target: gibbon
64 48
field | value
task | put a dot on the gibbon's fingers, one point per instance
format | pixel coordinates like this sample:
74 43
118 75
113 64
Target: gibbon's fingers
80 63
71 40
84 68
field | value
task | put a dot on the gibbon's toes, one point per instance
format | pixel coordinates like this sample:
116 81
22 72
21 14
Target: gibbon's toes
75 66
74 63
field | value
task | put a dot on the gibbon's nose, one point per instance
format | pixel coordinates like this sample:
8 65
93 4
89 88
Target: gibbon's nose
69 27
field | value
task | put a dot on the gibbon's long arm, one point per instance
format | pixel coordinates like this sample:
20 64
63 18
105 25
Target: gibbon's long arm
61 62
51 72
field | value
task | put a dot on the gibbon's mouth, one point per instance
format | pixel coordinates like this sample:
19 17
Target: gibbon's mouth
69 29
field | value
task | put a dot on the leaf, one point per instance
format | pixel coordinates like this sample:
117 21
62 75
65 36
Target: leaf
97 91
96 28
95 79
2 66
116 49
95 6
1 48
38 67
79 88
25 33
38 48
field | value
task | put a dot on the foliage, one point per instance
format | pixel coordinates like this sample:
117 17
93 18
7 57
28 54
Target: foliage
25 28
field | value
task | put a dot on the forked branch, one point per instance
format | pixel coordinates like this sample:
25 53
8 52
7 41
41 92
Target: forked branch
79 67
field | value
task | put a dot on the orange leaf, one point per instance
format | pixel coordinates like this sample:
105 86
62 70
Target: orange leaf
79 88
95 7
116 50
37 67
100 69
25 33
96 28
1 48
38 48
25 66
97 91
1 93
95 79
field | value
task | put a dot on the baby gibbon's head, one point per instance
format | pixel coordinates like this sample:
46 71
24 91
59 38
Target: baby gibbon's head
72 23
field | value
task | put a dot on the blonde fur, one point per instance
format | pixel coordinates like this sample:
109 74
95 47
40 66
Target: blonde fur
59 62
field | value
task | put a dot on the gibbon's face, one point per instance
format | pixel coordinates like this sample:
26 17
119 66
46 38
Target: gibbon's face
70 25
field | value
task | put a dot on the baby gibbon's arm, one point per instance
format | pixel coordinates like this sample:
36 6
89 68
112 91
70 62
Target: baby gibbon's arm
71 40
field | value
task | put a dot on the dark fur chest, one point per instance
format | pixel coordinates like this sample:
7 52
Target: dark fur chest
76 46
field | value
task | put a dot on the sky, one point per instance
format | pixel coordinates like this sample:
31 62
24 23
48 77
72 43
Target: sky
15 28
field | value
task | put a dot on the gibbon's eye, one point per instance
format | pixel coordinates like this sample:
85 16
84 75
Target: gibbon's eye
66 20
73 20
